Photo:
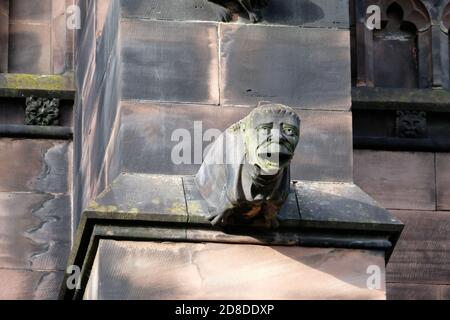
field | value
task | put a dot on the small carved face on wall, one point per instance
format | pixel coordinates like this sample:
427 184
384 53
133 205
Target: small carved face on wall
411 124
271 136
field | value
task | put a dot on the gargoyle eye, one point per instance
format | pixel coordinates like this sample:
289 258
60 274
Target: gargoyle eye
289 130
265 128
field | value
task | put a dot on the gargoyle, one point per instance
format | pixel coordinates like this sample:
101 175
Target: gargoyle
245 175
226 8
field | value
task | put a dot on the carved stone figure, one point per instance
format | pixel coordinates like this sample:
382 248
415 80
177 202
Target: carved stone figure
226 8
42 111
411 124
246 173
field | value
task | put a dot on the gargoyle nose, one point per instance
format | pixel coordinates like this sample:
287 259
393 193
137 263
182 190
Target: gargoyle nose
275 136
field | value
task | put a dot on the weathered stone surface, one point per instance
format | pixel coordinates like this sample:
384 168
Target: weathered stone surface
34 165
423 251
411 291
305 68
221 271
29 48
59 33
29 285
435 8
168 199
197 10
434 100
323 154
445 59
397 180
159 197
4 35
12 111
443 181
95 119
445 292
308 13
170 61
4 6
24 85
31 10
340 203
35 230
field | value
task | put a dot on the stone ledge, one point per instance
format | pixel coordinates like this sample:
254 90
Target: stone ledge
35 132
175 199
143 207
24 85
429 100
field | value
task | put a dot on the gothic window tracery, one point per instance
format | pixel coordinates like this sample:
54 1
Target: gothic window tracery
398 54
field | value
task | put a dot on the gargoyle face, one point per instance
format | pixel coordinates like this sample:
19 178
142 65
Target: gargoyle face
271 139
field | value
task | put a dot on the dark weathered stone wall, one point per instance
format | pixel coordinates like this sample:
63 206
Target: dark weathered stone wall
39 41
171 63
4 34
180 66
97 101
35 215
415 187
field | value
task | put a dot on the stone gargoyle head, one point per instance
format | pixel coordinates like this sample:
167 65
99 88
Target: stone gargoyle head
245 176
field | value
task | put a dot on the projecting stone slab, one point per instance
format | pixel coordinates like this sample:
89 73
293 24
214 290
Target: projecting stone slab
157 208
160 198
170 61
168 199
341 204
150 132
222 271
305 68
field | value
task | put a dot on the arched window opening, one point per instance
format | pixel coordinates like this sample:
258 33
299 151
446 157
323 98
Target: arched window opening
397 55
395 49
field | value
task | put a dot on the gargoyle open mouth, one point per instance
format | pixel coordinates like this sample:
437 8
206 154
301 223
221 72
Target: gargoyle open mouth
275 157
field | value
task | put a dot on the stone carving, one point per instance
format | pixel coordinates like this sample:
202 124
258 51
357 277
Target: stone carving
411 124
42 111
245 176
225 9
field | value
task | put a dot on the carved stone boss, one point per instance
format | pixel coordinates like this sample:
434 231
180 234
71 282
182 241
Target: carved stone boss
42 111
246 173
